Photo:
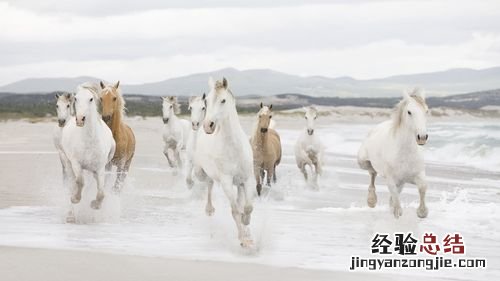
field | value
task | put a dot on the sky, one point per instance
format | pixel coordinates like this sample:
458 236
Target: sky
152 40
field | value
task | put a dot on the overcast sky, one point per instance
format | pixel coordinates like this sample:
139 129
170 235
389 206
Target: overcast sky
151 40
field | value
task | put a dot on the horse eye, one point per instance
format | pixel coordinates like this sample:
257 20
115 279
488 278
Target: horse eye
67 106
270 116
315 117
91 99
409 112
223 101
57 106
171 106
189 108
114 99
203 108
305 117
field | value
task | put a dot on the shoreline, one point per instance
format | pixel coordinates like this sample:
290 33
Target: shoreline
18 263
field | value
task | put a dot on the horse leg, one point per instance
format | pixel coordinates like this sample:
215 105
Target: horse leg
421 183
257 171
303 170
78 175
243 231
189 174
170 161
394 200
122 171
248 202
99 177
178 159
274 174
209 209
270 174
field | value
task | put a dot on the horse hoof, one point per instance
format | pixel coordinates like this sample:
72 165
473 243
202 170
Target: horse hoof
76 199
209 211
422 212
95 204
259 189
246 243
70 218
372 200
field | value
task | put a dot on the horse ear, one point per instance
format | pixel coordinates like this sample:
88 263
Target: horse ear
261 105
117 84
191 99
224 82
211 82
204 96
406 95
57 95
420 93
102 85
68 95
270 107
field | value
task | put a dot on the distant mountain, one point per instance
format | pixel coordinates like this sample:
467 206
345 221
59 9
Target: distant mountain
264 82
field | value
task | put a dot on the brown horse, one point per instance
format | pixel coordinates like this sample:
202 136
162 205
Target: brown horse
113 106
266 146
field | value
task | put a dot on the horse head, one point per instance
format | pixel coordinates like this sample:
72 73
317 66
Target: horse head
85 104
198 108
170 107
265 114
311 114
112 101
64 107
220 104
411 113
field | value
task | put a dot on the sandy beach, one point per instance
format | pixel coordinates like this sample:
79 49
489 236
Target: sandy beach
157 229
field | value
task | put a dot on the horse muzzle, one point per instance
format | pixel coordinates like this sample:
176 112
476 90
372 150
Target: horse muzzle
195 125
263 130
422 139
209 127
106 118
61 122
80 121
310 132
165 120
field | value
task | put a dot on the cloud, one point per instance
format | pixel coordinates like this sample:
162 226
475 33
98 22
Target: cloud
364 39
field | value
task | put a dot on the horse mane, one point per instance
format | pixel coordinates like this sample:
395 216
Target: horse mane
399 109
93 88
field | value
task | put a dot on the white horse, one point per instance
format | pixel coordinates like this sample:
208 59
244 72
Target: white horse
309 149
198 109
88 143
65 111
393 150
175 132
225 155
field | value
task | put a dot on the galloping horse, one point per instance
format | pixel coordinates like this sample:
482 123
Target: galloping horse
65 111
393 150
225 155
266 146
309 149
113 107
88 143
198 108
175 132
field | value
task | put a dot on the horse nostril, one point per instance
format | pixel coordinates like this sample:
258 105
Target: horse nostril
83 118
212 124
418 137
426 136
